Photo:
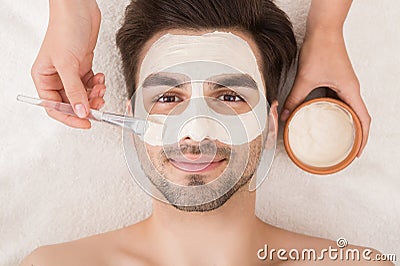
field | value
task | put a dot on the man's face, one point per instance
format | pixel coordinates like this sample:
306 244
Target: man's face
207 94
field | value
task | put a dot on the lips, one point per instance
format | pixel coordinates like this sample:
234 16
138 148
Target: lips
193 163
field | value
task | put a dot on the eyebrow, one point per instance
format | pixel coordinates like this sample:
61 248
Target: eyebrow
233 80
163 79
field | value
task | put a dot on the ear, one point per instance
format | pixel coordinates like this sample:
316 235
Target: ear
272 126
273 115
128 107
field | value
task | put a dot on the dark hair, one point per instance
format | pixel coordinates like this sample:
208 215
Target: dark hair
268 25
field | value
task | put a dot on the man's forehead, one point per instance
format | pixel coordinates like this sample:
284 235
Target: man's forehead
197 71
200 57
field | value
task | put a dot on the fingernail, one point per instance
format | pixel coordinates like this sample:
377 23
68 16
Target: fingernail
102 92
80 110
285 114
102 79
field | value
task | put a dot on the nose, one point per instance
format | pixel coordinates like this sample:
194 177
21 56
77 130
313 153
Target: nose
196 123
195 129
202 128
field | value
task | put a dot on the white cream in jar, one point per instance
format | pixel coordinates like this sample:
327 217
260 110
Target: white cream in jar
321 134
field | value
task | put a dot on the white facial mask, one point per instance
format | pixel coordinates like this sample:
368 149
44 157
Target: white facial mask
200 58
321 134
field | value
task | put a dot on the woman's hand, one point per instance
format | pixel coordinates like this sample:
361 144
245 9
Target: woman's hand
324 62
63 68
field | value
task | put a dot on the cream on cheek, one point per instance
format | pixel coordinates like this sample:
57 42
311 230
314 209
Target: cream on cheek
200 58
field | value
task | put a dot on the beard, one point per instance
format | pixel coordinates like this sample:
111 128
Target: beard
197 195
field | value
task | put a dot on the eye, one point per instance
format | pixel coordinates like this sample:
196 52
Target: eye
165 98
230 97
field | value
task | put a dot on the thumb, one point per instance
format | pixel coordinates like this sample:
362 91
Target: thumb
74 89
355 101
296 96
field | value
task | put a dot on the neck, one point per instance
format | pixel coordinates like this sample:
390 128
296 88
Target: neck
230 229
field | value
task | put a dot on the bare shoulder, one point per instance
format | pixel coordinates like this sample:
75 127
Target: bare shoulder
309 250
78 252
101 250
35 258
41 256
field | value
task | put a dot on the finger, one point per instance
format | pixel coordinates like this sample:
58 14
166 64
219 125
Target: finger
96 103
297 95
68 120
88 76
366 125
48 82
97 91
355 101
64 96
99 78
92 90
74 88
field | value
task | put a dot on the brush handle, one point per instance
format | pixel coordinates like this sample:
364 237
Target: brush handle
138 126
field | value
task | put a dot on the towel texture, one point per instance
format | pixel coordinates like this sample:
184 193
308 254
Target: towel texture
58 184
